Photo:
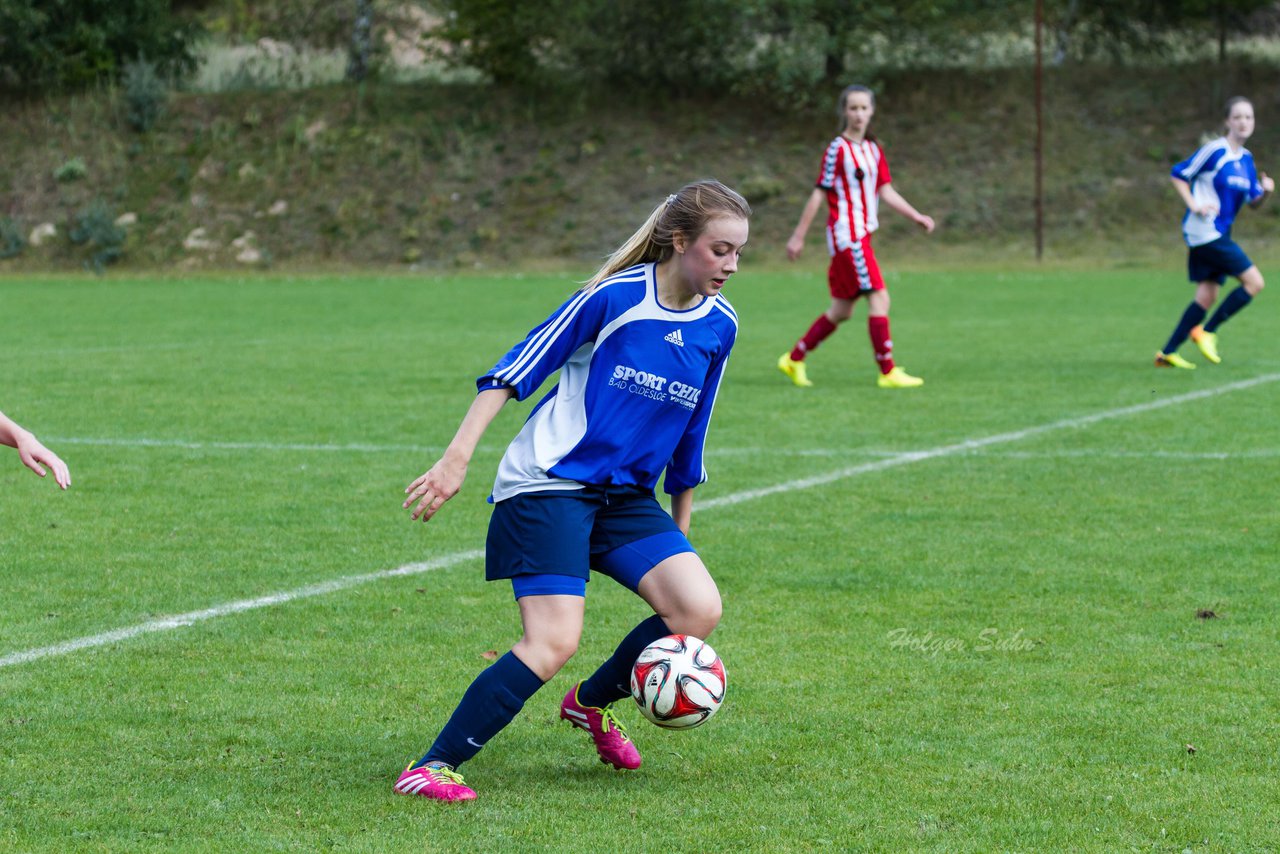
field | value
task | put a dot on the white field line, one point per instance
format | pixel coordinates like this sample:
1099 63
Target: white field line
189 445
360 447
1271 453
449 560
984 442
145 347
191 617
373 448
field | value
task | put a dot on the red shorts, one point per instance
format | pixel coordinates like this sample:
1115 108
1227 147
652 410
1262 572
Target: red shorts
854 271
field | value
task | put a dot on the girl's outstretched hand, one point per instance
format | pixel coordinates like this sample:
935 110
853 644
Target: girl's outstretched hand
436 486
794 246
925 222
32 454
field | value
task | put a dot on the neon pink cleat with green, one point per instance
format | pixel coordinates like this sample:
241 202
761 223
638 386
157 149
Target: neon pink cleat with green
611 740
438 782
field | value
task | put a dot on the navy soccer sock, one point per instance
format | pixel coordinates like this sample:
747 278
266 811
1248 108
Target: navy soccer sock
1235 301
1190 319
613 680
494 699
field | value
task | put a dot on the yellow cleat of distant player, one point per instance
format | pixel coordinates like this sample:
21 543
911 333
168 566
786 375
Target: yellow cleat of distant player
1207 342
1173 360
793 369
898 378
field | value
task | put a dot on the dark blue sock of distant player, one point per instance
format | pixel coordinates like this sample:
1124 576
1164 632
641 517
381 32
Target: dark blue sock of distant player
1235 301
495 697
613 680
1190 319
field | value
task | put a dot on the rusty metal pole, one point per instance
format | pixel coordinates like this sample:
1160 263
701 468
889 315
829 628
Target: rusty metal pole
1039 130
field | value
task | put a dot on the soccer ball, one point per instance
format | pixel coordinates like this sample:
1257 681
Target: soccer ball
678 681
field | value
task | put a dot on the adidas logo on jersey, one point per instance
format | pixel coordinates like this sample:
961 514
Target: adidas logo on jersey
675 338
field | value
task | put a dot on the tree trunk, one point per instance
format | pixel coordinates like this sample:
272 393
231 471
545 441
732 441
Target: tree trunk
1062 33
1222 32
361 42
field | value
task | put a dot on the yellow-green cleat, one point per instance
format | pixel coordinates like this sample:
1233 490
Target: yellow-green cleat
794 370
898 378
1208 344
1173 360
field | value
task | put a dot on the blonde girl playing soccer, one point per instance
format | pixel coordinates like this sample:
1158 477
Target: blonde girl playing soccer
641 350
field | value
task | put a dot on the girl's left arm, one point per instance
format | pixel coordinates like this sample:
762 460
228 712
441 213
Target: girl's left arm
682 509
1268 187
894 199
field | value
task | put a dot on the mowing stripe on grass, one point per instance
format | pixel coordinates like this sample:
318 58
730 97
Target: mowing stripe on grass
446 561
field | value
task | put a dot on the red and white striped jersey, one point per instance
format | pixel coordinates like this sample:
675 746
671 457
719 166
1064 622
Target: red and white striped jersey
852 174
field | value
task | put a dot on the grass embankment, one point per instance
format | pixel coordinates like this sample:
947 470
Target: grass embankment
468 176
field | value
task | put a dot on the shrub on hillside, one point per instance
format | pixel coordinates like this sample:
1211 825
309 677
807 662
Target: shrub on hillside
95 228
73 170
145 94
11 240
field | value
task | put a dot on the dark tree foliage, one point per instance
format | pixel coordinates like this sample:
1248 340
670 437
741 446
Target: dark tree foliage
48 45
317 23
1089 28
785 44
683 45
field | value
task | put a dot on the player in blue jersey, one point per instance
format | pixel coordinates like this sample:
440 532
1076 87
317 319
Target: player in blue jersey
34 455
1215 183
641 350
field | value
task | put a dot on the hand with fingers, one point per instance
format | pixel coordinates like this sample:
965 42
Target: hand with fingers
795 246
434 487
33 454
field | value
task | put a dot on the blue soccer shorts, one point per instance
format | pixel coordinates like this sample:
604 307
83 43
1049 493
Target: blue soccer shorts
547 543
1215 260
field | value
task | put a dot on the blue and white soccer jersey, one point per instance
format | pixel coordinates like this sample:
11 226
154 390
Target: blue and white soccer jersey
637 385
1221 177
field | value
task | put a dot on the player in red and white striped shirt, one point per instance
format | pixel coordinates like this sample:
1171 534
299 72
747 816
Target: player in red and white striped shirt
854 177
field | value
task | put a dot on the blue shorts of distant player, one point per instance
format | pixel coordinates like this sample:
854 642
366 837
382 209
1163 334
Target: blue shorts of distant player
1215 260
548 542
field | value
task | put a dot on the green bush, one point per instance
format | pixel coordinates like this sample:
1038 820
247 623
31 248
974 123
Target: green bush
11 240
95 228
759 188
51 45
145 94
73 170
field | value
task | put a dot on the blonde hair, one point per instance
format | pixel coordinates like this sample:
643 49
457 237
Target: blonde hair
685 212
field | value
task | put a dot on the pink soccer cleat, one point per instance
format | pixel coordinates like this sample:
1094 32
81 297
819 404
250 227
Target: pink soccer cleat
611 740
439 782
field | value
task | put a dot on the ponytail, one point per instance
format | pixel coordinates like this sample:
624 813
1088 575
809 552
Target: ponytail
684 212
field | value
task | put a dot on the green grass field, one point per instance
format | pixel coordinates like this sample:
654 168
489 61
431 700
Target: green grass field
977 631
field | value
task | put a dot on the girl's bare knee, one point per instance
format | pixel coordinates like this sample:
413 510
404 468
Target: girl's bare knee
697 618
